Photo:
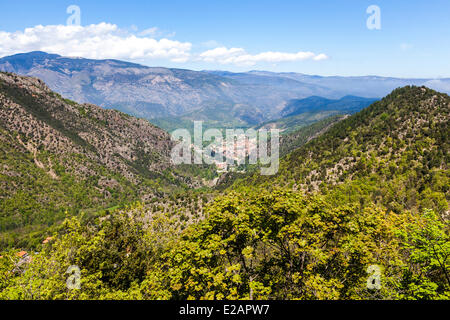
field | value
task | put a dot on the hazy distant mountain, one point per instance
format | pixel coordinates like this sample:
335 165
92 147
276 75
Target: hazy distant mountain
300 113
156 92
347 104
249 98
132 88
364 86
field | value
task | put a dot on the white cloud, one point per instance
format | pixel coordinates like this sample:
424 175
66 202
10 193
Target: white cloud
239 56
210 44
155 32
108 41
97 41
321 57
149 32
406 46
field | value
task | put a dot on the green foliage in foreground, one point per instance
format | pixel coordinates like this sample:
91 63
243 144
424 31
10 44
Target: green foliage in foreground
254 244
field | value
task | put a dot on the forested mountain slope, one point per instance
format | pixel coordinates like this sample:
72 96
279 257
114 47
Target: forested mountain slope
58 156
394 153
297 138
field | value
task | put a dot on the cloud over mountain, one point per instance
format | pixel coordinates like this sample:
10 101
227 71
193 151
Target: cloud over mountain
108 41
96 41
239 56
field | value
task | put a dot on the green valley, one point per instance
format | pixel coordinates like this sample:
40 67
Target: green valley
369 190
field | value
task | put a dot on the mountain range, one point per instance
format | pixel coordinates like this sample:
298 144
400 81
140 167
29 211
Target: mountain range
248 98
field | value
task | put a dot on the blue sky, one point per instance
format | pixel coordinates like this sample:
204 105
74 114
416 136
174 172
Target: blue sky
314 37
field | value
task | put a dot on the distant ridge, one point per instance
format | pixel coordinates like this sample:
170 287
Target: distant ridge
157 92
347 104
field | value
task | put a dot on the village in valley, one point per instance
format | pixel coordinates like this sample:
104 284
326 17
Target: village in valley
230 160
